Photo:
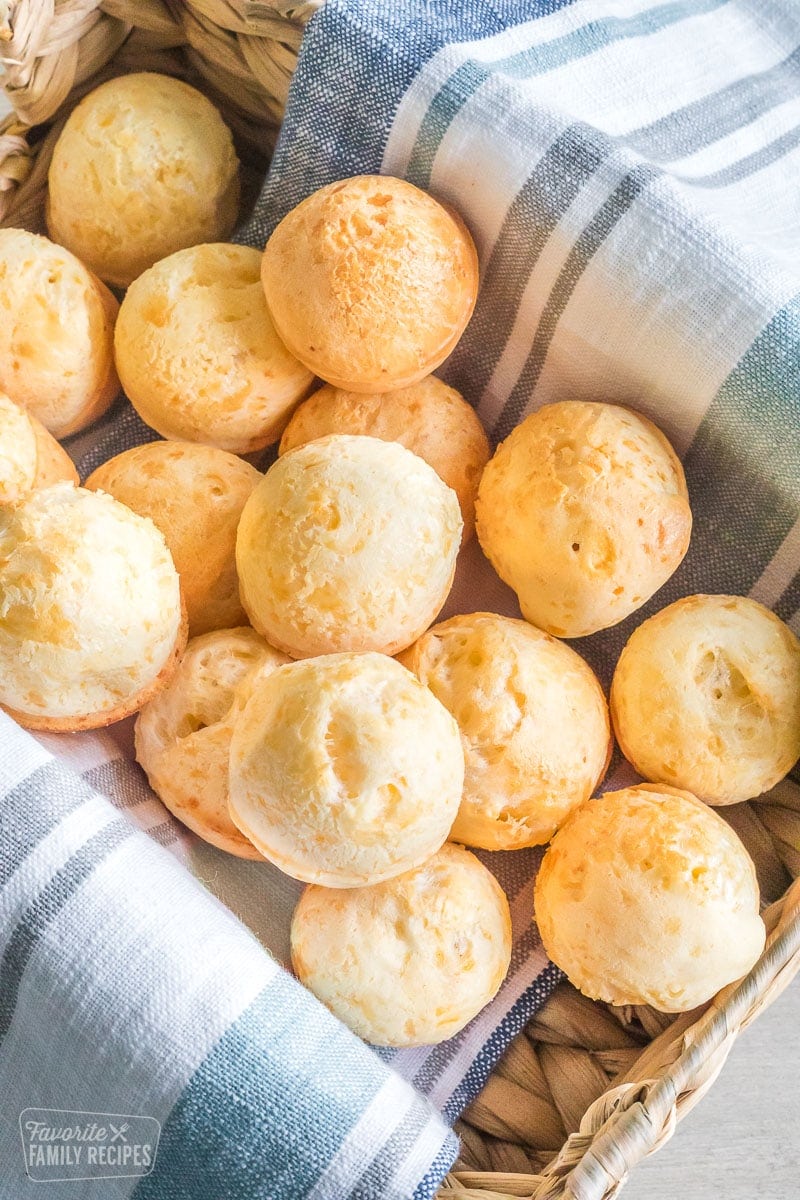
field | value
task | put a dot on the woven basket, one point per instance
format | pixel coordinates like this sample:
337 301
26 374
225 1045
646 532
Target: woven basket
587 1090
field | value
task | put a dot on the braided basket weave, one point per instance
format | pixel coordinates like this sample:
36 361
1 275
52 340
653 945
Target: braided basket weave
587 1090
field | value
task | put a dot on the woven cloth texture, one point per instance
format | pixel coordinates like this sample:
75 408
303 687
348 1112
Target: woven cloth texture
629 174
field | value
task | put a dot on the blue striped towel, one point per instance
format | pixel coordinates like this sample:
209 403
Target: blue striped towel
629 171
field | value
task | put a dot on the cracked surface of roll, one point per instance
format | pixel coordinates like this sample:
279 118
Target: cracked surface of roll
198 354
411 961
583 511
429 418
345 770
348 543
29 457
91 622
183 735
646 896
706 696
370 282
144 166
533 720
56 333
195 495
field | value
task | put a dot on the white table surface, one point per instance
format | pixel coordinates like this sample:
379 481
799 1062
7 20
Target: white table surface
743 1141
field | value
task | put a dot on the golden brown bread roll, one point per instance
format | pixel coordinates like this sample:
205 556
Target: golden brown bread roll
18 452
56 356
29 457
706 696
144 166
429 418
198 354
345 770
195 495
348 543
91 623
646 896
407 962
183 735
53 464
584 512
533 720
370 282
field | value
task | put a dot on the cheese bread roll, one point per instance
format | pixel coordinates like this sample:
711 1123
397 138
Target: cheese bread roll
646 896
144 166
91 621
345 770
370 282
183 735
407 962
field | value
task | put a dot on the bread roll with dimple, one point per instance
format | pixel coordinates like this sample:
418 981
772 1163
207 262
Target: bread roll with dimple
195 495
370 282
583 511
198 354
429 418
533 720
56 332
183 735
348 543
29 457
408 962
706 696
144 166
345 770
646 896
91 623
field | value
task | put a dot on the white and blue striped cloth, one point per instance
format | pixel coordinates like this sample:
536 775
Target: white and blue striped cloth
630 172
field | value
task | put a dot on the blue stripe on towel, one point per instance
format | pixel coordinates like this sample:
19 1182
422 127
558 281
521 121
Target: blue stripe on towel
743 475
225 1136
46 906
378 54
24 820
536 60
743 468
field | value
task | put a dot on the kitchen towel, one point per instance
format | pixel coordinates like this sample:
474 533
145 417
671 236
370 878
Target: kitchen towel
629 173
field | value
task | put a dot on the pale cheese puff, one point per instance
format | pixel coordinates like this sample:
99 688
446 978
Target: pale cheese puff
646 896
348 543
198 354
345 770
533 720
411 961
29 457
144 166
56 334
583 511
91 621
195 495
706 696
183 735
